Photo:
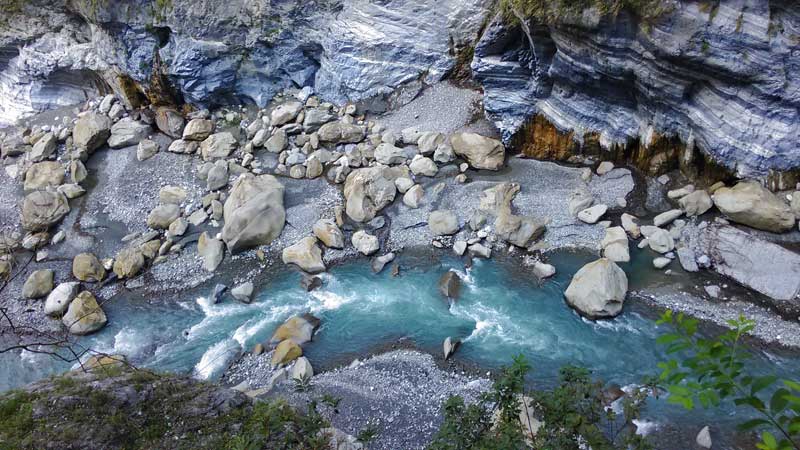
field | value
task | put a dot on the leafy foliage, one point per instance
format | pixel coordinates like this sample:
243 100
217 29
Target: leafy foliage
302 383
711 370
574 414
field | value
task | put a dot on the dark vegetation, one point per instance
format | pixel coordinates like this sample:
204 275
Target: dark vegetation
136 409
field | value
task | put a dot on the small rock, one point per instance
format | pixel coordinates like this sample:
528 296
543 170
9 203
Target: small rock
450 346
593 214
243 292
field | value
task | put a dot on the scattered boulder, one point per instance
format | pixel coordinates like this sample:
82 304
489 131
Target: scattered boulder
365 243
38 284
84 315
146 149
198 130
299 329
543 270
86 267
91 131
218 146
667 217
128 262
421 165
285 112
183 147
162 216
661 262
598 289
286 352
43 148
753 205
443 223
593 214
58 300
243 292
518 230
414 196
450 346
277 142
480 250
579 200
631 225
254 213
211 250
450 285
379 262
305 254
302 369
605 167
170 122
659 239
127 132
43 209
330 234
367 191
480 152
615 245
703 438
696 203
44 174
310 282
341 133
389 154
217 176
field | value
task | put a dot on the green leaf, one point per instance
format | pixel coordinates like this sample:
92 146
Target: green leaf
793 385
761 383
755 402
769 440
778 401
667 339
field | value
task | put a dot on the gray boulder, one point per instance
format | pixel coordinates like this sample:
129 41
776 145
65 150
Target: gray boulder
450 285
285 112
305 254
44 174
753 205
443 222
84 315
128 132
615 245
518 230
254 213
43 209
598 289
341 133
198 130
696 203
211 250
365 243
38 284
218 146
367 191
330 234
162 216
480 152
170 122
91 132
146 149
58 300
43 148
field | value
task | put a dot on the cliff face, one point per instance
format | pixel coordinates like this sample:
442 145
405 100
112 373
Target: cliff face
218 52
722 78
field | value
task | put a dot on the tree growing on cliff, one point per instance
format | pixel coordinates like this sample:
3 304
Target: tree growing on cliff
711 370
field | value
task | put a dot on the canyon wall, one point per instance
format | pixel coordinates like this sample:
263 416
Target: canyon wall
220 52
722 78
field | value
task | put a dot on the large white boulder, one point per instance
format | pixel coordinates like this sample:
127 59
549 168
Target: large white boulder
598 289
254 213
753 205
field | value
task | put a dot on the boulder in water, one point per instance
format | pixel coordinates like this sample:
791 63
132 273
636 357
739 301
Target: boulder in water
299 329
84 315
243 292
450 346
598 289
286 352
450 285
305 254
